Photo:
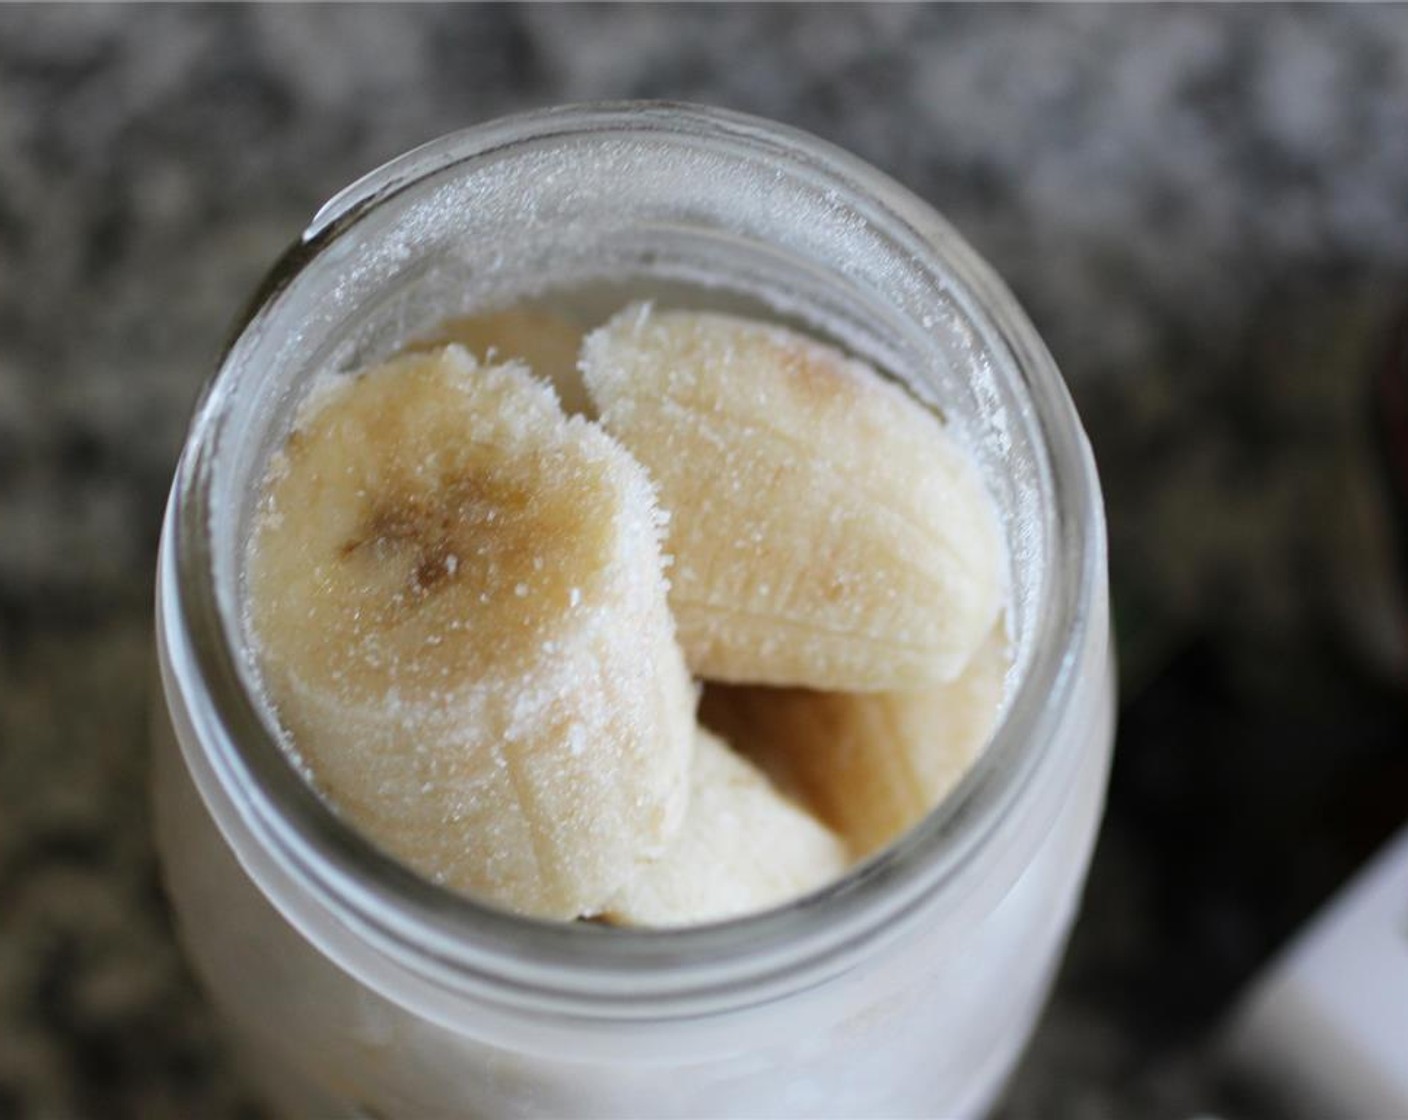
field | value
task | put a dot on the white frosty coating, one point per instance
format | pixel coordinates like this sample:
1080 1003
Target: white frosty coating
463 628
826 529
743 848
548 343
553 216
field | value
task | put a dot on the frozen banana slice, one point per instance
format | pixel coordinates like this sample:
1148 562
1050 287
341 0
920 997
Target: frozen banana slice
826 529
547 342
458 599
743 848
869 765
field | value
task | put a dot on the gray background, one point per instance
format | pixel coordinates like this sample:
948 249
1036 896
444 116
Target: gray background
1205 211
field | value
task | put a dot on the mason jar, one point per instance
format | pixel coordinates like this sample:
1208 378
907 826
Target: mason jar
352 987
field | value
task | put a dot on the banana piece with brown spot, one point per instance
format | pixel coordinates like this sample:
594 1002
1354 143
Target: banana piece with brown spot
457 598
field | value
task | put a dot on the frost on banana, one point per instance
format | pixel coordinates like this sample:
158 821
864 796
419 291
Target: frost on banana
548 342
869 765
827 530
743 848
458 599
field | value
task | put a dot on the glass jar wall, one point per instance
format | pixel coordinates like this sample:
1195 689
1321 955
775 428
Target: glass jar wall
908 987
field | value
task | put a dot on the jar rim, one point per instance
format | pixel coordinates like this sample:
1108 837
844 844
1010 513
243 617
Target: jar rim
464 944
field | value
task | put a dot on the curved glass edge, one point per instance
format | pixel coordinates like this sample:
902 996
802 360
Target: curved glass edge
460 941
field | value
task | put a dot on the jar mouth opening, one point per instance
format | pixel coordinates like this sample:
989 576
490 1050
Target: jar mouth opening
461 943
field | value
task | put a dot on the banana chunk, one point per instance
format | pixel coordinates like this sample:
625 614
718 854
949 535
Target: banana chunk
549 344
869 765
743 848
827 530
458 599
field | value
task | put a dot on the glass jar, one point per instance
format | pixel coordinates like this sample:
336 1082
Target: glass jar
907 988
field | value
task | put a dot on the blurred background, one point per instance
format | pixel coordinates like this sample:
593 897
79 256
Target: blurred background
1204 210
